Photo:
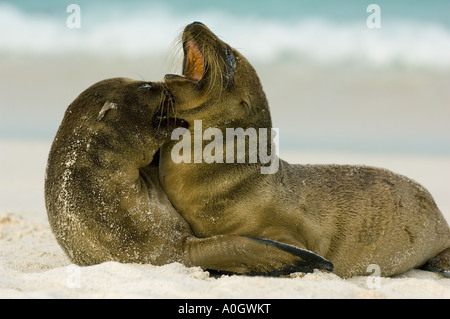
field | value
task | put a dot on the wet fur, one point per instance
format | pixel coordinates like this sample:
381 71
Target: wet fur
353 216
103 196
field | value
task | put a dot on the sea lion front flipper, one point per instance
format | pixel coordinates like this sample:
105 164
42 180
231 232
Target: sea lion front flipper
250 256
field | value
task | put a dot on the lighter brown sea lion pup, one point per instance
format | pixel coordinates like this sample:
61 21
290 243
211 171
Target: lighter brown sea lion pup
353 216
103 197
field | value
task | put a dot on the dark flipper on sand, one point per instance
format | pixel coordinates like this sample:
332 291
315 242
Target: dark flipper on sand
305 262
440 263
234 254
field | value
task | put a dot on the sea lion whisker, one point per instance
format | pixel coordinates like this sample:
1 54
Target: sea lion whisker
221 73
215 74
176 55
171 104
211 65
139 75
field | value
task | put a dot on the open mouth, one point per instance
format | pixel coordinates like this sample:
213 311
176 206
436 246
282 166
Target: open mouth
194 62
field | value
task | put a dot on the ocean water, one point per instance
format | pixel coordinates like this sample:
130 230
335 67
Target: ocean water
332 80
413 33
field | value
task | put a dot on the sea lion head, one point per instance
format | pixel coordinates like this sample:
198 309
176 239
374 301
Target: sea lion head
122 115
217 82
136 106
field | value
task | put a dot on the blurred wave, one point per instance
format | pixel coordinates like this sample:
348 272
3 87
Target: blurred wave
149 29
332 82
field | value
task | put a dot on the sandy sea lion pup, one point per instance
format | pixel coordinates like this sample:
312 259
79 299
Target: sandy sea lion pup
103 197
353 216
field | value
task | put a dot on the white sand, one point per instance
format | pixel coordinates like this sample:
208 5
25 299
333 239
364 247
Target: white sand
33 266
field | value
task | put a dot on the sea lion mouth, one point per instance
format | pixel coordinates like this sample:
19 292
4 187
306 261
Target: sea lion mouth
207 61
194 62
209 67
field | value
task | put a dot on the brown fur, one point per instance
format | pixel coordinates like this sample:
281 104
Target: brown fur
352 215
103 196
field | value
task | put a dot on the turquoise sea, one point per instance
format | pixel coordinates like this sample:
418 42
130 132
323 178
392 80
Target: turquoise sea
332 81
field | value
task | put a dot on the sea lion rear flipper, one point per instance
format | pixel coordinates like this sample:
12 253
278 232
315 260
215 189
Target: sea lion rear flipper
440 263
251 256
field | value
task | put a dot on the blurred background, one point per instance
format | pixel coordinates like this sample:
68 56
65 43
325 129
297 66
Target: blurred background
334 84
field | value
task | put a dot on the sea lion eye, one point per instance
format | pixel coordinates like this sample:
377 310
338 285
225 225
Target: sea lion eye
145 86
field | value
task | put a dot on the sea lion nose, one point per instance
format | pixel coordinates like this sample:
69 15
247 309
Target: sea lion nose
197 23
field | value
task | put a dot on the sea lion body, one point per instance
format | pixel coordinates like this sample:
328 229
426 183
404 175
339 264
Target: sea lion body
353 216
104 199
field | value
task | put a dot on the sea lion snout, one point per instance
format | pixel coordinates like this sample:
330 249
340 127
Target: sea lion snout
196 23
209 65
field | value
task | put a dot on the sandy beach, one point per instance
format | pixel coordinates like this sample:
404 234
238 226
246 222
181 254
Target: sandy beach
32 265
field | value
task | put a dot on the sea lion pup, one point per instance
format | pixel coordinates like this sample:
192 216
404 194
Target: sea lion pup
103 197
353 216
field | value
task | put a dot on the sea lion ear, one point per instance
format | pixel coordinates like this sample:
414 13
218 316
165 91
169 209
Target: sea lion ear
230 68
247 105
107 106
